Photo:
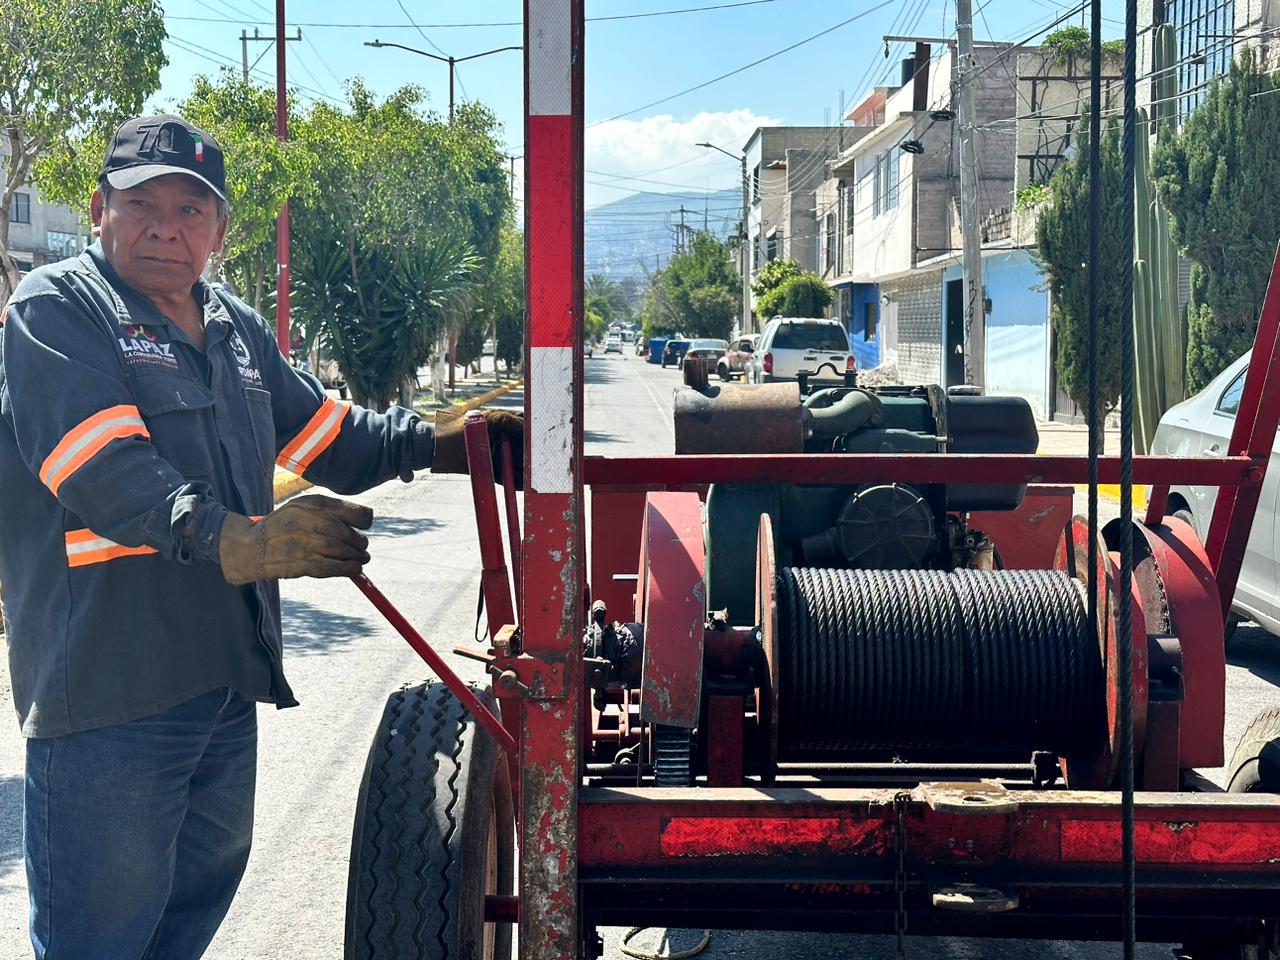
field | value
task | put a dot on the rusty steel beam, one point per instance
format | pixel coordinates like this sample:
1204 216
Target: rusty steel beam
552 571
1235 471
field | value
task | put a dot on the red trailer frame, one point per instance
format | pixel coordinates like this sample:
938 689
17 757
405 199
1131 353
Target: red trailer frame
817 858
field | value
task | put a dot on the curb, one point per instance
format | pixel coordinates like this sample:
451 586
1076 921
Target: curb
287 484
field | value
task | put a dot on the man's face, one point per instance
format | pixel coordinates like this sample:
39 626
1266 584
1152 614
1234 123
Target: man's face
160 234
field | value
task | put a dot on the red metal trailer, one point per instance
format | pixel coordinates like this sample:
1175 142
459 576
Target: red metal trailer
720 785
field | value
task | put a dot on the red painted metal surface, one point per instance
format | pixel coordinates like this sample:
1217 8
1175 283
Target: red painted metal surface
1190 593
552 571
617 518
726 756
1027 538
907 468
513 509
675 610
633 828
495 582
455 683
1252 436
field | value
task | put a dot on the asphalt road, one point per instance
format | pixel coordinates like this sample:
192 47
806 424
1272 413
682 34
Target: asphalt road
343 662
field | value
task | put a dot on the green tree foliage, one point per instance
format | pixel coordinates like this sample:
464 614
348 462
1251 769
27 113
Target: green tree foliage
607 299
263 173
800 295
502 297
771 276
1062 236
391 247
68 69
697 294
1219 176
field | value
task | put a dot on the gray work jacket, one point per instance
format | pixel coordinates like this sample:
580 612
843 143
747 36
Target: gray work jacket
122 448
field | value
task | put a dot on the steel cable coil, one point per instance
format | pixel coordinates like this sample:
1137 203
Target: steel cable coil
927 660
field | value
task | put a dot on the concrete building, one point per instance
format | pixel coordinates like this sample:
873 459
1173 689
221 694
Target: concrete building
40 232
786 165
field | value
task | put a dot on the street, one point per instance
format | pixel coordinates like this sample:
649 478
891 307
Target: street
343 661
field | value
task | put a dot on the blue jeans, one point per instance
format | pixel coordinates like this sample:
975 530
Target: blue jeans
136 835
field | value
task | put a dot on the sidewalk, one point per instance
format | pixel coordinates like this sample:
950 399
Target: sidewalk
1072 439
470 391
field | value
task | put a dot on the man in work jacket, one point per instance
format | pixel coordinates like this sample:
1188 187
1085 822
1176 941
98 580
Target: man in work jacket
142 413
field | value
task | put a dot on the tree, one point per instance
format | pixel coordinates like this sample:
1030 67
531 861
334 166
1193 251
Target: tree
68 69
607 299
502 297
1062 236
698 292
389 247
1219 176
800 295
771 276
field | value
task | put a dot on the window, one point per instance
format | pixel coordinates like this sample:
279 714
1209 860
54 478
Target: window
21 211
829 241
771 247
886 182
850 208
63 245
755 184
871 313
810 336
1206 36
1229 402
755 253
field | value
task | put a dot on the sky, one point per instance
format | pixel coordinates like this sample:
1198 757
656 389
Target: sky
642 125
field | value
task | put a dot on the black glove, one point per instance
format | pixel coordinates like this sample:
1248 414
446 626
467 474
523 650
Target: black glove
451 450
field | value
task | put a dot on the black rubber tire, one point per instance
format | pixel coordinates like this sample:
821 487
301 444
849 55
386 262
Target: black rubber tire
434 832
725 375
1255 765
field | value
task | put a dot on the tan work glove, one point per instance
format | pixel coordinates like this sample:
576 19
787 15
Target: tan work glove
311 536
451 449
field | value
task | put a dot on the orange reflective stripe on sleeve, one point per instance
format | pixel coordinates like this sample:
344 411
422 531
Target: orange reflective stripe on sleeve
84 441
85 547
314 439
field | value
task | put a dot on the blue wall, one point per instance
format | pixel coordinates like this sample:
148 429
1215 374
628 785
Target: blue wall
865 352
1017 327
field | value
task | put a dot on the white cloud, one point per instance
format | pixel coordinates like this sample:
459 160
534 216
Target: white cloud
664 150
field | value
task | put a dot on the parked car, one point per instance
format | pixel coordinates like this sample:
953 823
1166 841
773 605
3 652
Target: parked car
613 344
489 348
706 349
1201 427
642 346
790 346
673 352
734 362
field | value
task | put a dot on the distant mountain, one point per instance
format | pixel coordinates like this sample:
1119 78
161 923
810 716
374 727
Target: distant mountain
628 237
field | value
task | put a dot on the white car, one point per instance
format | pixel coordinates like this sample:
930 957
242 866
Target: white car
613 344
1201 427
791 346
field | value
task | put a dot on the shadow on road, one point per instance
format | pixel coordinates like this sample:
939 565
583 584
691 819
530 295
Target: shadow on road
309 629
599 436
1257 651
600 369
401 526
10 824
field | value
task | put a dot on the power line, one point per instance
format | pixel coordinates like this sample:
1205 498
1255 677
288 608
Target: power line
748 66
484 23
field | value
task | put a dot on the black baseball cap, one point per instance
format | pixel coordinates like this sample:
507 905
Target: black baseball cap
148 147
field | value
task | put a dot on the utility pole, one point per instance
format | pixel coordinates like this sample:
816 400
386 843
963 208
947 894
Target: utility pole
975 314
681 245
245 40
746 325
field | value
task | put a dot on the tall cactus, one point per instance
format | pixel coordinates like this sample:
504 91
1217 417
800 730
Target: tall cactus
1160 337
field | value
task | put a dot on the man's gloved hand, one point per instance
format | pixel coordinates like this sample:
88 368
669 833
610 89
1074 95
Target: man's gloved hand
311 536
451 449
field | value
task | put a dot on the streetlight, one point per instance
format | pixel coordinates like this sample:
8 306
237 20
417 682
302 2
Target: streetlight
747 326
451 61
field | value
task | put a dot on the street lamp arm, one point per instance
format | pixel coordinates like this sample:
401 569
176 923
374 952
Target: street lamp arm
401 46
485 53
712 146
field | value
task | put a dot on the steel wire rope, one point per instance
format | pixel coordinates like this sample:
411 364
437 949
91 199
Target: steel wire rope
1124 645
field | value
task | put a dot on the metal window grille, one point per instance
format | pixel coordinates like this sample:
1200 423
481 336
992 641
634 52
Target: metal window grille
1205 30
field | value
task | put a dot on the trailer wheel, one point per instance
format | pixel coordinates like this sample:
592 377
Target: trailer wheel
1255 766
434 833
